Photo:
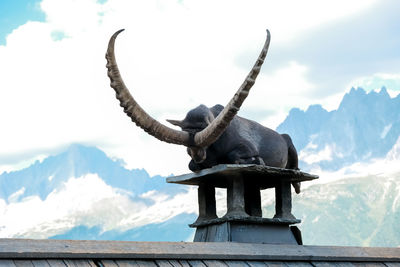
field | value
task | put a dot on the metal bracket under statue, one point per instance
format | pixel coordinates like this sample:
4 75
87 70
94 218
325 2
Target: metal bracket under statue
243 221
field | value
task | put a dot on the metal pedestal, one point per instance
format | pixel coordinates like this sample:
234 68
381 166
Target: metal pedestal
243 221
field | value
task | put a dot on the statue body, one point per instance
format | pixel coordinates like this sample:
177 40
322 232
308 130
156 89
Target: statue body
243 142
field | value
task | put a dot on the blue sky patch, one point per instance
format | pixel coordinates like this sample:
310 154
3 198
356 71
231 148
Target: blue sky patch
15 13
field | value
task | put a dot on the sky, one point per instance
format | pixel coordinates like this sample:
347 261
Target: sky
173 56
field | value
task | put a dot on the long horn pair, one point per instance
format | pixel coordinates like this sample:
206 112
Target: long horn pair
203 138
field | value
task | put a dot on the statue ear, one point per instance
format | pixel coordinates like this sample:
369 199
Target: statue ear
175 122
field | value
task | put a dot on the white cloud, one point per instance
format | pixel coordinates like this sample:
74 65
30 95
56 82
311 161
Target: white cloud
24 162
311 157
390 165
312 154
287 87
14 197
396 201
376 81
385 130
316 219
173 57
394 153
86 15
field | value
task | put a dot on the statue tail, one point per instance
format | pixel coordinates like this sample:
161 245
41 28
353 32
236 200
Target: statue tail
293 161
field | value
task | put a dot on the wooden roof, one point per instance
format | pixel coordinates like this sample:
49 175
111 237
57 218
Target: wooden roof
24 252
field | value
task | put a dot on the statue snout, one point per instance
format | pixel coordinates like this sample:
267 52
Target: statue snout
198 154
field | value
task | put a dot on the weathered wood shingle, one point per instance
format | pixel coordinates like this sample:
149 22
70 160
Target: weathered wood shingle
67 253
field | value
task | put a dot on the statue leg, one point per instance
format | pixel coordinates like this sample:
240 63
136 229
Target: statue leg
245 153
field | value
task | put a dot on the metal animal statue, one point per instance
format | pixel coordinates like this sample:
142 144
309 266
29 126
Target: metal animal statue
213 135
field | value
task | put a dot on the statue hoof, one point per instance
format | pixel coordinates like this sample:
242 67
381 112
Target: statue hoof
296 187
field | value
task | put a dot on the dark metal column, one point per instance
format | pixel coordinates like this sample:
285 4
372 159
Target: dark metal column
283 201
235 197
207 206
252 198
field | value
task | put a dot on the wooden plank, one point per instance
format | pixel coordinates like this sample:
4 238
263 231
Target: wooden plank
392 264
7 263
369 264
197 263
163 263
23 263
126 263
108 263
211 234
236 263
332 264
79 263
184 263
77 249
146 263
69 263
256 263
56 263
40 263
83 263
214 263
349 264
91 263
175 263
274 263
298 264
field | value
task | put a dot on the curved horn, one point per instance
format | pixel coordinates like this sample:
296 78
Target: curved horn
213 131
132 108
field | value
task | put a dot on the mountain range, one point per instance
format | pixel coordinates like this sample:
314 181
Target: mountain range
365 126
43 177
82 193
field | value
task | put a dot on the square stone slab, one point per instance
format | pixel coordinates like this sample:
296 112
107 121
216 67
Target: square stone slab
221 175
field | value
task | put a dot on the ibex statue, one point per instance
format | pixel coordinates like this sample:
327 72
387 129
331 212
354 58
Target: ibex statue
213 135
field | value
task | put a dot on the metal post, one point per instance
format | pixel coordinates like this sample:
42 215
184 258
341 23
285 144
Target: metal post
252 197
235 198
207 207
283 201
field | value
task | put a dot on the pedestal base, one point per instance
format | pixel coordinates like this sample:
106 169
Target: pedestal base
243 221
245 232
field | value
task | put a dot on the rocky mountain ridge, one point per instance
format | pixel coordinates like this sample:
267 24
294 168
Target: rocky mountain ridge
365 126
